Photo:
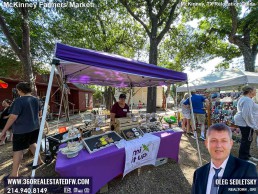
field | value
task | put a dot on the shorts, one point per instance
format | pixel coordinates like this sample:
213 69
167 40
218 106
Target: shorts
23 141
200 118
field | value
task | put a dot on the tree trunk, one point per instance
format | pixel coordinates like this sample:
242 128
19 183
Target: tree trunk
243 41
152 91
156 20
248 54
168 91
249 60
165 96
163 99
108 97
28 74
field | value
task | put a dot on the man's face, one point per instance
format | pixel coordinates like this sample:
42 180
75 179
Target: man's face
219 145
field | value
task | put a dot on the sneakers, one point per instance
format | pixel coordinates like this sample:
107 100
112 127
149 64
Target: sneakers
202 137
251 162
253 159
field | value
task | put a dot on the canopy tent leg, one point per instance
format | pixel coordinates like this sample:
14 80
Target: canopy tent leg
176 106
131 90
166 106
176 102
194 125
42 124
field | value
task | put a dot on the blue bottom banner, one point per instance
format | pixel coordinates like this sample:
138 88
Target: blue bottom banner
82 185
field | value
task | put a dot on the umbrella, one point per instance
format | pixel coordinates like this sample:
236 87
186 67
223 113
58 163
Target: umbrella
3 84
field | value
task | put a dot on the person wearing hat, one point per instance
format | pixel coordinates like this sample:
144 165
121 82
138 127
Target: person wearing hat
119 109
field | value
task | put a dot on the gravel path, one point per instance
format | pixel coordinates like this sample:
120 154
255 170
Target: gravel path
169 178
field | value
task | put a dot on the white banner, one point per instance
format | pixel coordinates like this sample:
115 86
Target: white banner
140 152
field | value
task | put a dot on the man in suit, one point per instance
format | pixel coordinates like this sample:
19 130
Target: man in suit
219 143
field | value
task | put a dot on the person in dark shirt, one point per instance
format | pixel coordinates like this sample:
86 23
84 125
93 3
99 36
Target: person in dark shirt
119 109
24 119
4 117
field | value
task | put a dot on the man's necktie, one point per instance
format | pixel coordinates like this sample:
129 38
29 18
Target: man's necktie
214 189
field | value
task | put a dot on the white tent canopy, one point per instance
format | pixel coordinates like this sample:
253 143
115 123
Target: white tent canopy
222 79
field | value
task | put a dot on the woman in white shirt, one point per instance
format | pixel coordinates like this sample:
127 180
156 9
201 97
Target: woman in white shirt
244 118
186 112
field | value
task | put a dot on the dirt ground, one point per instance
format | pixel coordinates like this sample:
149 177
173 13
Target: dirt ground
169 178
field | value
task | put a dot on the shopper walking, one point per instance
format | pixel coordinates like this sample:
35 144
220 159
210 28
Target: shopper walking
244 118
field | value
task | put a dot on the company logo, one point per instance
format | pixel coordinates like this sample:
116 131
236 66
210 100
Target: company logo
145 147
141 153
67 190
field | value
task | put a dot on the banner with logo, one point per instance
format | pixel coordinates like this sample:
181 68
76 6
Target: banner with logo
140 152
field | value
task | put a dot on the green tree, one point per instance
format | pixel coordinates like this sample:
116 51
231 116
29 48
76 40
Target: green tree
186 46
103 27
156 18
227 29
19 38
25 33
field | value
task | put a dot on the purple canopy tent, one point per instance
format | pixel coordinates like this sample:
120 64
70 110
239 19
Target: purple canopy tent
99 68
87 66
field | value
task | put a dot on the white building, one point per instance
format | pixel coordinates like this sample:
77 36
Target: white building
141 94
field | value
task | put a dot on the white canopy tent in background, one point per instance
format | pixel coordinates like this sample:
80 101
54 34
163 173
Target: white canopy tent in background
227 79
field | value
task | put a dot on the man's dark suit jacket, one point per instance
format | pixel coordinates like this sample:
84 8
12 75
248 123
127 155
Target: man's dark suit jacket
235 168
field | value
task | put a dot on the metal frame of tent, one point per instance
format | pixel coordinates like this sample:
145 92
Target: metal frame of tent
123 70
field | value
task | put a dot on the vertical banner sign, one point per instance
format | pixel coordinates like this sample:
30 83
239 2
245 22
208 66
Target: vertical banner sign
140 152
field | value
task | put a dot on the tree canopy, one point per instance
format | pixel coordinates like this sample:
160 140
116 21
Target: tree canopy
226 29
158 31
